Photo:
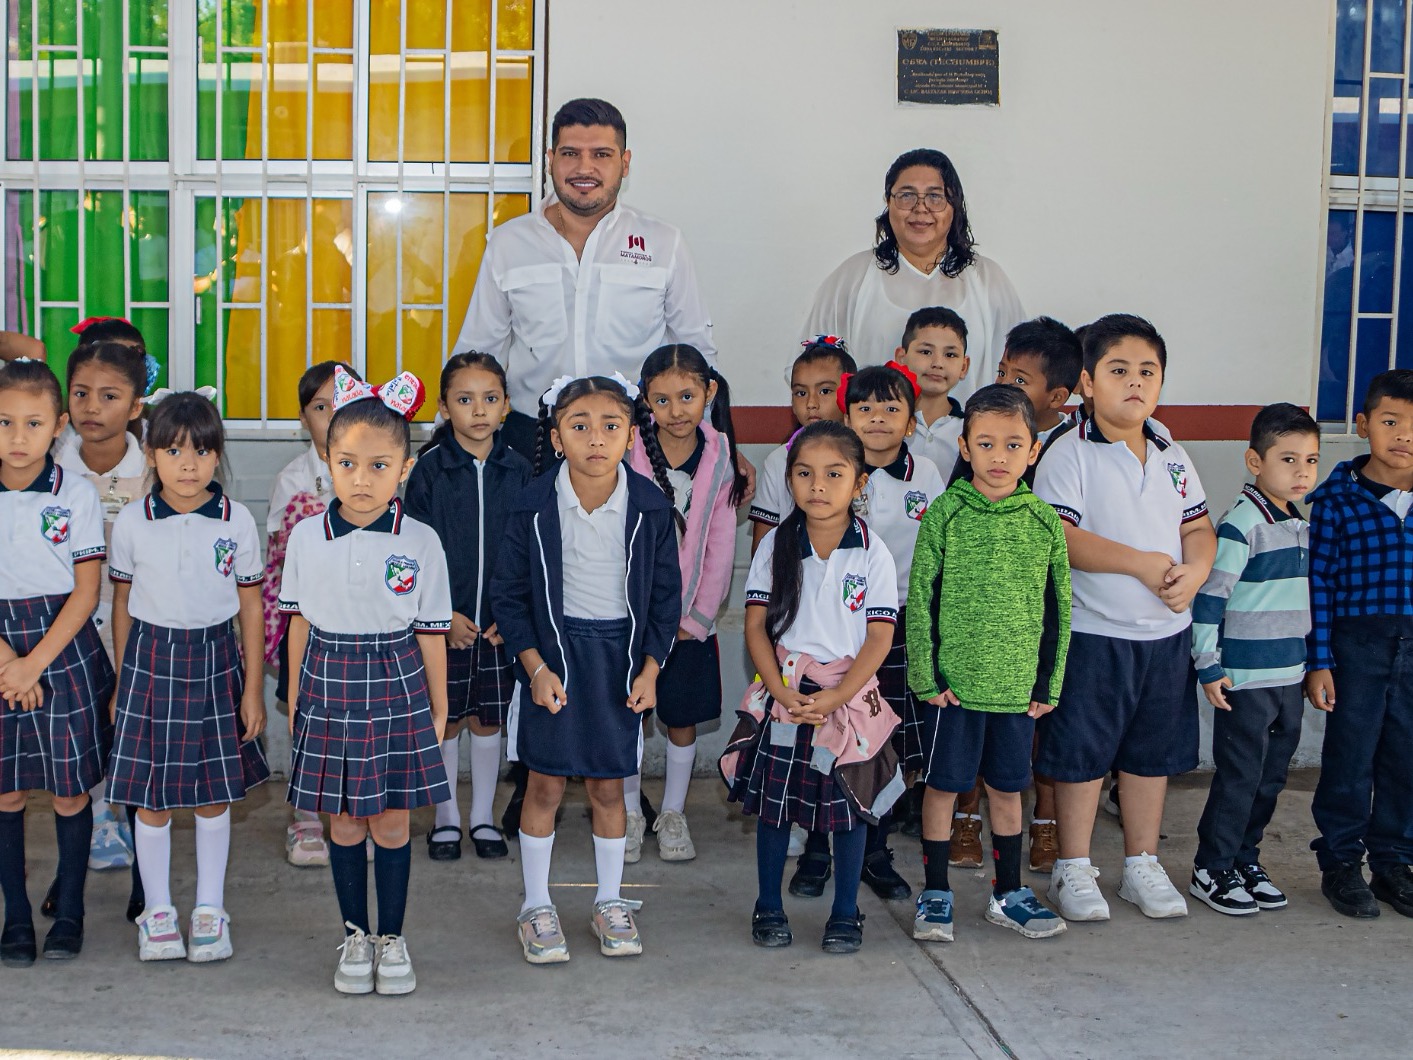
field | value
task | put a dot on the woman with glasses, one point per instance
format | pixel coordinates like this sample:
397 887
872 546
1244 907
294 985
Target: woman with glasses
923 256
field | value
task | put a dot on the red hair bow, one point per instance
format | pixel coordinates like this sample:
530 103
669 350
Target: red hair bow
403 393
839 395
909 375
84 325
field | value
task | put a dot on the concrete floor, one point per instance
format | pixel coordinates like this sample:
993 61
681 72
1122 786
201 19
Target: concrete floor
1285 984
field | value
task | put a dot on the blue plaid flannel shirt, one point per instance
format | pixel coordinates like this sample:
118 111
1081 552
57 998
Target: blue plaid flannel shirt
1361 559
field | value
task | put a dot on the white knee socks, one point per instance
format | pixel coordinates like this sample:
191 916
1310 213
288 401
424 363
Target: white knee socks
485 771
213 847
535 854
448 812
608 860
154 861
633 792
679 774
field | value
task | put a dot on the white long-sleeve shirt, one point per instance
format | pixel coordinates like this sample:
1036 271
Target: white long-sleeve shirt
543 313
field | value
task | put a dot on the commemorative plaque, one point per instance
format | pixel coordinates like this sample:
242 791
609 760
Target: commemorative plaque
948 66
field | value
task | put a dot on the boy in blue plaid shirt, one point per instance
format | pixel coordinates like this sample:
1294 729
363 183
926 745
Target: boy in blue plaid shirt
1361 643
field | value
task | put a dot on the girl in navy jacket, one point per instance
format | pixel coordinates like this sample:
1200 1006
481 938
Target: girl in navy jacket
587 597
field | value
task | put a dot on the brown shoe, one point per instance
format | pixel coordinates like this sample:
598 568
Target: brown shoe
966 842
1044 846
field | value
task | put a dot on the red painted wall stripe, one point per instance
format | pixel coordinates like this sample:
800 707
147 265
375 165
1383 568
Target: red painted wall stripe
772 424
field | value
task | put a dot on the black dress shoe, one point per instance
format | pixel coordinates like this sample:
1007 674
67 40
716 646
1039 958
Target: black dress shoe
647 810
1395 886
908 814
492 847
1346 890
49 908
883 880
65 940
444 849
770 928
843 934
812 872
17 949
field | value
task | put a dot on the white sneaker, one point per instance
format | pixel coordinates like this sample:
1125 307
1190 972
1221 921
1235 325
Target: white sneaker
1075 894
797 841
354 974
674 841
305 846
633 851
210 935
395 974
1147 886
159 936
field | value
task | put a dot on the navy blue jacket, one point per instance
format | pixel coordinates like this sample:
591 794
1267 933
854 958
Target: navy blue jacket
529 578
467 507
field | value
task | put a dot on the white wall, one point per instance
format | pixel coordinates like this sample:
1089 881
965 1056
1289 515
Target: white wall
1162 158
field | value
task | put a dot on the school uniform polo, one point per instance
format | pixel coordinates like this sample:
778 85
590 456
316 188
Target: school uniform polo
681 477
116 487
1100 486
839 595
894 501
595 550
773 500
47 527
382 578
938 441
186 569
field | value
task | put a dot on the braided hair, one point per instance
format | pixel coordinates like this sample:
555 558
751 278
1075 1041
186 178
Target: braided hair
679 357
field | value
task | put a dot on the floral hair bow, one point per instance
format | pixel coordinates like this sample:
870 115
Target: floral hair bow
403 393
162 393
832 341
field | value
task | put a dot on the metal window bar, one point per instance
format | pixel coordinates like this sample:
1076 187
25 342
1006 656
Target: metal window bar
1358 228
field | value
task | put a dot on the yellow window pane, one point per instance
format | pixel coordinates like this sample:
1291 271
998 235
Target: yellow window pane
333 106
333 335
333 23
333 250
242 377
515 25
426 23
471 25
422 352
514 104
287 20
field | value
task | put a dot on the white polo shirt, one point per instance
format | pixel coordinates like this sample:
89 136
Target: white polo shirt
306 474
542 312
185 568
595 546
773 500
116 488
839 596
938 440
47 527
1101 487
381 578
893 503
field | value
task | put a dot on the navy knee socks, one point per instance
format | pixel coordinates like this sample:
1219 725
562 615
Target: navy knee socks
848 869
392 867
73 834
350 868
772 846
12 868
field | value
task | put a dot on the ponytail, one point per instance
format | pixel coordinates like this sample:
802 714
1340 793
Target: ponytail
721 420
787 575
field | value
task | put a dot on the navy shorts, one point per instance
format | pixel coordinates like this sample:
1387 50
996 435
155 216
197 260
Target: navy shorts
1129 705
960 744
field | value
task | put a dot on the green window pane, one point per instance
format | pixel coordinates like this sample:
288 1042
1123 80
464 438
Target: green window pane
58 246
147 23
58 339
238 74
147 105
148 246
20 310
57 23
208 242
103 253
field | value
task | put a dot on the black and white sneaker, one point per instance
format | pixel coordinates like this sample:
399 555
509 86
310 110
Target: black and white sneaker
1260 887
1224 891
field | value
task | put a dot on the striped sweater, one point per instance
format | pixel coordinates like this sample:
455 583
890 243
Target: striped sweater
1250 618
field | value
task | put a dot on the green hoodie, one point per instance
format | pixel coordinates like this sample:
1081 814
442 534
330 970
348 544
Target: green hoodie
992 622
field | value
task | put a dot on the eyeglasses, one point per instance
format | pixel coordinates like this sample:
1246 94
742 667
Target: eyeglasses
933 200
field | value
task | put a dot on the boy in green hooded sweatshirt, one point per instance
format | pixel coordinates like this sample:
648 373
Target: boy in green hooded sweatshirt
988 628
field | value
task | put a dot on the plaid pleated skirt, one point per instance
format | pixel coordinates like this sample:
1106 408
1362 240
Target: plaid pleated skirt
363 735
63 745
776 784
479 683
689 687
177 740
909 738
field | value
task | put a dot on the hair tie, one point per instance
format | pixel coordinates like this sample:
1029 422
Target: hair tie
834 342
841 395
403 393
153 371
909 375
25 360
88 322
551 396
162 393
631 389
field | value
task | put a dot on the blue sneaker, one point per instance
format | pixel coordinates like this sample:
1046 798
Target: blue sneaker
1021 911
111 845
933 920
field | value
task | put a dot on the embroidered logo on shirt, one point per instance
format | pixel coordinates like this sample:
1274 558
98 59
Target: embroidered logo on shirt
855 587
54 523
401 574
1179 476
915 504
225 556
637 250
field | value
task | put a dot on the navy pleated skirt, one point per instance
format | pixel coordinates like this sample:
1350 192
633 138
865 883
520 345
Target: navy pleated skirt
909 738
479 683
689 687
594 734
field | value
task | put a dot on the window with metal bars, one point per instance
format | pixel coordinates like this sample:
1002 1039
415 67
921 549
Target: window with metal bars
262 184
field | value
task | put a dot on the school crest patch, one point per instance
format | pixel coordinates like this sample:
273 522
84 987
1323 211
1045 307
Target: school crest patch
1179 477
855 588
915 504
401 574
54 524
225 556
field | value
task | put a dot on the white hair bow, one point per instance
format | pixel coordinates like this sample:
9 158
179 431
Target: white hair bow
208 392
631 388
556 388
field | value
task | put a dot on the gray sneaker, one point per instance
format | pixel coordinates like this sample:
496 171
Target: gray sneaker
355 971
633 847
395 974
541 937
674 841
616 929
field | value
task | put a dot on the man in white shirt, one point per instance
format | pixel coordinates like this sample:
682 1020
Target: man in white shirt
584 285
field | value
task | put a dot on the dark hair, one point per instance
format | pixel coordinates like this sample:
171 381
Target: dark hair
454 364
589 112
959 252
186 415
680 357
814 352
32 375
1061 356
1397 384
787 565
1275 421
371 412
1100 336
113 329
878 382
127 360
316 375
934 316
1002 399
